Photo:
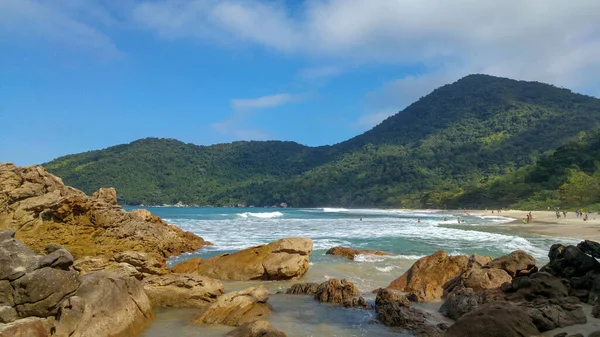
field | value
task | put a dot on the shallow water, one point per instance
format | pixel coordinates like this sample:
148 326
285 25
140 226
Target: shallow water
397 232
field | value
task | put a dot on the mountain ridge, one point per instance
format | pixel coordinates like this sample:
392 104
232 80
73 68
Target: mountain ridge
461 133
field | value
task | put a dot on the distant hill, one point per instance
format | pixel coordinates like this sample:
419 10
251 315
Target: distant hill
450 143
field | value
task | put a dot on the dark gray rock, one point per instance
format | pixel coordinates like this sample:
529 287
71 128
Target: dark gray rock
393 309
591 248
493 320
40 292
7 314
60 258
568 262
459 302
6 235
52 247
594 334
16 259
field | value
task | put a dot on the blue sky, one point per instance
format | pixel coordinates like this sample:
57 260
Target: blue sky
79 75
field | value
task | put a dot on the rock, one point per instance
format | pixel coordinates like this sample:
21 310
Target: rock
59 258
480 279
89 264
182 290
105 305
427 276
52 247
285 259
478 261
568 262
351 253
106 195
594 334
394 309
546 301
303 289
16 259
517 263
8 314
188 266
591 248
124 269
27 327
493 320
259 328
237 308
552 314
40 292
143 262
335 291
41 209
459 303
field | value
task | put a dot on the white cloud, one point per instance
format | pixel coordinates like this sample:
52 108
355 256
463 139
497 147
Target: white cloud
243 109
553 40
263 102
69 23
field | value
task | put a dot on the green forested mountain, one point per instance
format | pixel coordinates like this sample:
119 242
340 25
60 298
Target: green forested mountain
446 149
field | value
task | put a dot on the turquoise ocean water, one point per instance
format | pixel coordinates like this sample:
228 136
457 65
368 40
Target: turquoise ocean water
397 232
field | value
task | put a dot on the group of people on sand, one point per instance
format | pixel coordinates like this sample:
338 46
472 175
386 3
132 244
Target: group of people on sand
528 217
579 212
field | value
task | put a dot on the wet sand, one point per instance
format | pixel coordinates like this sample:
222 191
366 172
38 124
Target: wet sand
546 223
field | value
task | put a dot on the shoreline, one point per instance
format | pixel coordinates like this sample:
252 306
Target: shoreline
545 223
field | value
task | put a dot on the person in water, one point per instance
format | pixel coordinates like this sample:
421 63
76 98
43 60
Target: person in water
419 220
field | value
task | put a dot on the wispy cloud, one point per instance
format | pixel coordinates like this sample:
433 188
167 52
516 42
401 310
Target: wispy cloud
263 102
70 24
244 109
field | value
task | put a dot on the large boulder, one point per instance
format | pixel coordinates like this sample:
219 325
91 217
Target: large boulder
426 278
494 320
237 308
40 292
351 253
260 328
285 259
568 262
188 266
16 259
105 305
41 209
517 263
144 263
182 290
394 309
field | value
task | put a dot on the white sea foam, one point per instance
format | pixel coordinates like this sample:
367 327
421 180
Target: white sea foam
385 269
334 210
263 215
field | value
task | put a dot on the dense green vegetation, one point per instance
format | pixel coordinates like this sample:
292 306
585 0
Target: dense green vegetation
465 144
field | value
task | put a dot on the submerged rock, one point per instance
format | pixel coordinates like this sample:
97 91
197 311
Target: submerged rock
350 253
285 259
303 289
340 292
394 309
260 328
237 308
427 276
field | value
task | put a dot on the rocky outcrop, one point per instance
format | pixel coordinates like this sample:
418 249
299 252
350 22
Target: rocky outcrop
426 278
459 303
351 253
340 292
260 328
34 287
394 309
493 320
517 263
303 289
285 259
182 290
237 308
144 263
41 209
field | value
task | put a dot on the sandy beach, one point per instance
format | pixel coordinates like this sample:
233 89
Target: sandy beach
546 223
